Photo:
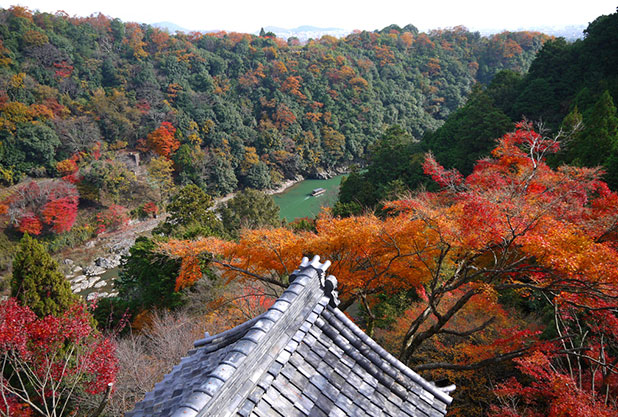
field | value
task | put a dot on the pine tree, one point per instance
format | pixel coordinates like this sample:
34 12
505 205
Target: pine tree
37 282
249 209
600 133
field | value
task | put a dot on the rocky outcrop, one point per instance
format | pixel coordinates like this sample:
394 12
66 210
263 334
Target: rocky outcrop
95 280
325 174
109 262
90 280
285 185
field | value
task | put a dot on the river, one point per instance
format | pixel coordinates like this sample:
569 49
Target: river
297 202
294 202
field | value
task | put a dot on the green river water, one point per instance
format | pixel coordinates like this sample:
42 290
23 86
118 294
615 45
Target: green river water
294 202
297 202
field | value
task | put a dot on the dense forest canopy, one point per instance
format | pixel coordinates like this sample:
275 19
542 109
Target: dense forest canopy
476 246
246 111
570 89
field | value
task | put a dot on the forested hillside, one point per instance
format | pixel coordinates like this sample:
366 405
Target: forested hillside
570 88
236 110
498 275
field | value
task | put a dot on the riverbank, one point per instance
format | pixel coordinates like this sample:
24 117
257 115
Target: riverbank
285 185
92 268
297 201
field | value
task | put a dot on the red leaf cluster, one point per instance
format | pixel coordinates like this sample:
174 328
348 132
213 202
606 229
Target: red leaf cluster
552 393
63 70
30 223
113 218
56 351
151 209
39 205
446 178
162 140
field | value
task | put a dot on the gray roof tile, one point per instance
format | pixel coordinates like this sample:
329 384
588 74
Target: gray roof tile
303 357
246 409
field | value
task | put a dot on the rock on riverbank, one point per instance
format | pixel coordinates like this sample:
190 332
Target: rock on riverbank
102 255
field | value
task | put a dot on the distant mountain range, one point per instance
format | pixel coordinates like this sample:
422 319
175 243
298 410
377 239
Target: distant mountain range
570 33
171 27
302 32
306 32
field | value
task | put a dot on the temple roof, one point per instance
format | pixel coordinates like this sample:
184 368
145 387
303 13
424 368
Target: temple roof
303 357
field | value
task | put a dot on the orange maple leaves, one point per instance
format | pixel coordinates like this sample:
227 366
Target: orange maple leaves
513 224
162 140
359 247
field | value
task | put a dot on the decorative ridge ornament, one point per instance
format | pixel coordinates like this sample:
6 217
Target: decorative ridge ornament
303 356
327 283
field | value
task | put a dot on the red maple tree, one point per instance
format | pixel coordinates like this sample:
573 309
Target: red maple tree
113 218
162 140
45 360
38 205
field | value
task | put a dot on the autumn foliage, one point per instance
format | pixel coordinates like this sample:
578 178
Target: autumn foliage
69 170
38 206
112 218
45 359
554 391
162 140
150 209
513 226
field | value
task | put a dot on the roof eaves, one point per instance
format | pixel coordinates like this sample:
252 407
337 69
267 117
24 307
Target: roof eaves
396 363
266 336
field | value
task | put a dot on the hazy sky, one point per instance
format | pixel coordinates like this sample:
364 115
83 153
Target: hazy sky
250 15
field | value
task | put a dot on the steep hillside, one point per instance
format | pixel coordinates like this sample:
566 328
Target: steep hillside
248 110
101 120
570 88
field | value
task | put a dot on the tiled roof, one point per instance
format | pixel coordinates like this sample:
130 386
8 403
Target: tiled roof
303 357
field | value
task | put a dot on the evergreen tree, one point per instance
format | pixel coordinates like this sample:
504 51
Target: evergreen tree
469 134
600 133
249 209
190 215
572 125
147 278
37 282
611 168
356 191
395 166
390 156
504 89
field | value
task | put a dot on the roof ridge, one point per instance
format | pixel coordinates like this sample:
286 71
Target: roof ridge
227 336
393 361
260 345
282 359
